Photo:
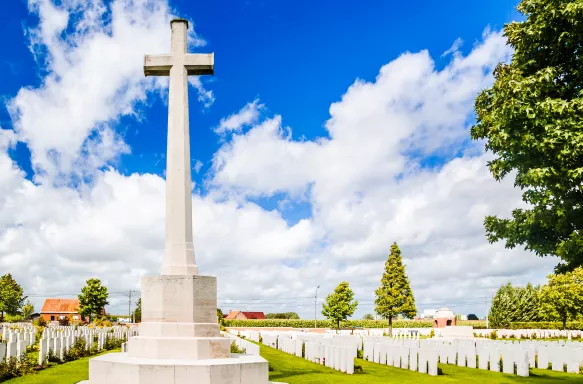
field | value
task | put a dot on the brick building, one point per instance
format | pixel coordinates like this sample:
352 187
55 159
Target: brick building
240 315
58 309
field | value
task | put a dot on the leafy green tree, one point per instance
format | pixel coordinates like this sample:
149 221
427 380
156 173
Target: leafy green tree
285 315
394 296
220 316
11 296
137 315
93 298
472 316
563 295
27 310
531 120
340 304
512 304
368 316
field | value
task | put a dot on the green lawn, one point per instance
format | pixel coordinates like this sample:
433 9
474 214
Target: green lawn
294 370
67 373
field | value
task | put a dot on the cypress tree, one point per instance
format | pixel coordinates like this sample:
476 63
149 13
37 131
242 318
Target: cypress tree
514 304
394 296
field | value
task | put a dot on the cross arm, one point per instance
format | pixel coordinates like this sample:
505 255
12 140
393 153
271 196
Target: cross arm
157 65
200 64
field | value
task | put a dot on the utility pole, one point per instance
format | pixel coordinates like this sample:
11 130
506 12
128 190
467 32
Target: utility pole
315 304
130 305
487 310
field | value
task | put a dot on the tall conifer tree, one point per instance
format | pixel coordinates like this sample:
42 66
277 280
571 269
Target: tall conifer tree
394 296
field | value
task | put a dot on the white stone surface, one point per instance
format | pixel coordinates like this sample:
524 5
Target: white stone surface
118 368
522 364
179 256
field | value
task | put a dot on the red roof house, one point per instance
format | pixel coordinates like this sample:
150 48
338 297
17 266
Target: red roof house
241 315
59 309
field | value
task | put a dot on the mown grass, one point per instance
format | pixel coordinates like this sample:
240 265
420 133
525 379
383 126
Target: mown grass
66 373
295 370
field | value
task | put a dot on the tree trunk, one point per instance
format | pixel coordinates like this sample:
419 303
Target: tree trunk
338 324
390 326
2 317
564 323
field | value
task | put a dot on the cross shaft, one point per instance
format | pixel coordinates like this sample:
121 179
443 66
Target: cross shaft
179 258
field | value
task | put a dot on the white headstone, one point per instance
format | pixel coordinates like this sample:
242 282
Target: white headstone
521 359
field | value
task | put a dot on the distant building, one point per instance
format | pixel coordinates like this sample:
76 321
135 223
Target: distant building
59 309
444 318
241 315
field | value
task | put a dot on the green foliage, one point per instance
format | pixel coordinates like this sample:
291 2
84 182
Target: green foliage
14 318
394 296
285 315
236 349
511 304
329 324
39 322
77 351
472 316
93 298
27 310
571 325
368 316
12 368
11 296
563 295
340 304
531 119
137 315
64 322
493 335
113 343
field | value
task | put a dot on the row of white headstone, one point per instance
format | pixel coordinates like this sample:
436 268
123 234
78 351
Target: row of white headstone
496 356
57 339
530 333
337 353
406 333
250 348
15 340
403 354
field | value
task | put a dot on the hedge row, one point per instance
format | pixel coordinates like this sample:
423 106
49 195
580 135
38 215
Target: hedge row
287 323
477 324
571 325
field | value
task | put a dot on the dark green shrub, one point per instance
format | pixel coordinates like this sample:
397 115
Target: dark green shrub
571 325
236 349
290 323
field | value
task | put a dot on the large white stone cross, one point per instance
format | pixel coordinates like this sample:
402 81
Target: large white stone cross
179 251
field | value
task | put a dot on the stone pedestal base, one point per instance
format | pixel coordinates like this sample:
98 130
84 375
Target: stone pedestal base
179 341
120 368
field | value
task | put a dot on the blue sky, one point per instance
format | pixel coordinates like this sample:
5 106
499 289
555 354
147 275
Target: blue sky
333 129
296 56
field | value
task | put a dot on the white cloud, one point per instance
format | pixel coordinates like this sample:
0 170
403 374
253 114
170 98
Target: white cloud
249 114
93 57
367 188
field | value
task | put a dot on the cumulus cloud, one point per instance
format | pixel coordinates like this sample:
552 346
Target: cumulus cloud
249 114
367 185
92 54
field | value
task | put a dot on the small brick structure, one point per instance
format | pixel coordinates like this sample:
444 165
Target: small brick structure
58 309
444 318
